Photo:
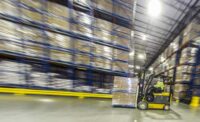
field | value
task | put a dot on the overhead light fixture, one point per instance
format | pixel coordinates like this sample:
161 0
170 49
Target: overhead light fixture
154 8
137 67
132 53
162 58
141 56
150 68
131 66
144 37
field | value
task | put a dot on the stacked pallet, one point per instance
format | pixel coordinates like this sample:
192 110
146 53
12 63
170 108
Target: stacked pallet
84 25
50 31
125 92
187 61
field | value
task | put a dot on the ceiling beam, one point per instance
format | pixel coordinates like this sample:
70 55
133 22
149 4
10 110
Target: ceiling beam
163 29
160 20
189 16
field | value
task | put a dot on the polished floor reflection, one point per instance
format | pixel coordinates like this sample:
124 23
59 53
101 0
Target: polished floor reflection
17 108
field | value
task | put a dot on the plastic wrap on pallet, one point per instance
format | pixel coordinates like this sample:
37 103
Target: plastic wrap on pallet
57 9
33 49
38 79
11 46
59 40
102 50
120 66
123 10
102 63
103 24
60 82
103 4
83 18
124 91
32 3
191 32
103 34
31 15
33 34
60 55
8 30
9 8
57 22
83 2
82 59
121 31
82 45
8 65
121 55
16 78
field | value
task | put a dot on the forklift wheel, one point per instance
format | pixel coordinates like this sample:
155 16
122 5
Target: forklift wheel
142 105
166 107
150 98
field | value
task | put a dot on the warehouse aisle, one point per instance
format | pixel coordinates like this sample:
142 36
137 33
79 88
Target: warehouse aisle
58 109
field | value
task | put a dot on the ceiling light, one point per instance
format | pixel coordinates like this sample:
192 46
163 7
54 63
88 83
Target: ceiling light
154 8
151 69
162 58
141 56
132 53
144 37
137 67
131 66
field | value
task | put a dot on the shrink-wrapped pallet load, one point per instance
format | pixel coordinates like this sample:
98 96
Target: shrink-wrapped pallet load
59 40
59 55
125 92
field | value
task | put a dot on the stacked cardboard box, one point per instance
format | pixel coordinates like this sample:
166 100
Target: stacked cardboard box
124 91
103 34
82 59
57 9
104 4
103 24
84 23
7 7
102 63
120 66
61 55
59 40
33 34
191 32
8 30
82 45
33 49
32 3
102 50
123 10
38 78
11 72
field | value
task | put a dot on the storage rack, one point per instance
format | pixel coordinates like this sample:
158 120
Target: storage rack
193 89
46 61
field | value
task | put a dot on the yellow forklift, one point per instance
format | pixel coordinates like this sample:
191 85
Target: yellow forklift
151 93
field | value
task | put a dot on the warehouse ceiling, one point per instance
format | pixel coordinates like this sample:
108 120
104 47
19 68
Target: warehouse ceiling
153 34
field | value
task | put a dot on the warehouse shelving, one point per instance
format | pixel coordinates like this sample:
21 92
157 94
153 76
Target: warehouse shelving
183 44
44 27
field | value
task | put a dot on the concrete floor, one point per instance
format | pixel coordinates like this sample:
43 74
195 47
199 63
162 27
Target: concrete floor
59 109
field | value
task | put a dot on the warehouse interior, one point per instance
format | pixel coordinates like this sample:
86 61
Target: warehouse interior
99 60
